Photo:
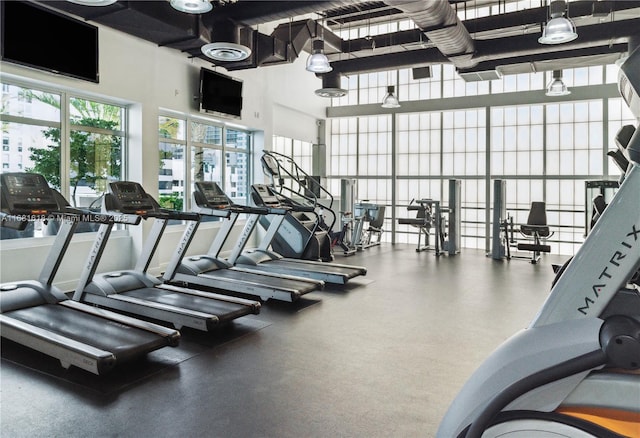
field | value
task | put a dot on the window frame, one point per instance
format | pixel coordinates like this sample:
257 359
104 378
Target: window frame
189 142
65 125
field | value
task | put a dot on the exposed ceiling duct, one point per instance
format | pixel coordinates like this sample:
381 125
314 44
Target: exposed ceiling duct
441 25
227 44
253 13
480 48
409 59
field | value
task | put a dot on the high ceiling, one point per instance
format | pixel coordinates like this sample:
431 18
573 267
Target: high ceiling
481 38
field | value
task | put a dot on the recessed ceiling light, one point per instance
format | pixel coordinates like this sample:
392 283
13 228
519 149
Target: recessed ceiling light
192 6
93 2
331 92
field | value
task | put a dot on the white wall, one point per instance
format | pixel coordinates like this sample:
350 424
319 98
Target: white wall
146 78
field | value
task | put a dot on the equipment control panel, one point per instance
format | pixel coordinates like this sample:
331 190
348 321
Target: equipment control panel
131 197
26 194
213 194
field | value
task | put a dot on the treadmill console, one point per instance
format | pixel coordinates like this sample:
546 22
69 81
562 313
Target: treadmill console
270 165
212 194
629 87
26 194
263 197
130 197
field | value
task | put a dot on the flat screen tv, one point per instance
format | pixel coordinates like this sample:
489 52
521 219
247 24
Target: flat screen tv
220 94
38 37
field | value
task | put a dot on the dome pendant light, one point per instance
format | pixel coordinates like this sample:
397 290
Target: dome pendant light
390 100
192 6
557 87
318 62
559 29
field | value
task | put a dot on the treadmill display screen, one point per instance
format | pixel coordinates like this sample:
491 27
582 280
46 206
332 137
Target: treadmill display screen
26 185
131 197
17 181
27 193
127 189
212 192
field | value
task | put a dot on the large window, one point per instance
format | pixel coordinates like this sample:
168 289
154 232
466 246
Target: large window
76 143
172 143
207 143
301 152
544 151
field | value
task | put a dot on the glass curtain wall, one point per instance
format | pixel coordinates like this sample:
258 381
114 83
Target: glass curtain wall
545 150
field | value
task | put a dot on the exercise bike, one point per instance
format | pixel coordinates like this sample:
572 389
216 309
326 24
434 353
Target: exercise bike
575 371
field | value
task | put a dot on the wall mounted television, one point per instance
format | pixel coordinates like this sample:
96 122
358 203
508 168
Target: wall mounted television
37 37
220 94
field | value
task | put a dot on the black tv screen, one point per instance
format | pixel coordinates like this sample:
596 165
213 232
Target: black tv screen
37 37
220 94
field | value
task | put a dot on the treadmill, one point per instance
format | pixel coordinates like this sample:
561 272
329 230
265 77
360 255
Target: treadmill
264 259
135 291
210 270
38 315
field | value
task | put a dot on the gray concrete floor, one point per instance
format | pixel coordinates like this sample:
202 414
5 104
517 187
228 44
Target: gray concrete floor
381 357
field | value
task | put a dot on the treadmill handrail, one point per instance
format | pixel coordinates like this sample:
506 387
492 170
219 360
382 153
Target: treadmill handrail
84 215
14 222
181 215
281 211
208 210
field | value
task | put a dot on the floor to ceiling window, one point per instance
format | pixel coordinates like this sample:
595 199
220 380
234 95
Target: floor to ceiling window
545 150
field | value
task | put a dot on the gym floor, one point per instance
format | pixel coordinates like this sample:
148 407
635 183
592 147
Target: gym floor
380 357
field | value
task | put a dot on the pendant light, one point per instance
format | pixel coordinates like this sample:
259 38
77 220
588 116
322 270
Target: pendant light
557 87
559 29
318 62
390 100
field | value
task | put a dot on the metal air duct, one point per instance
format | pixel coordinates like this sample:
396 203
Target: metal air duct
440 23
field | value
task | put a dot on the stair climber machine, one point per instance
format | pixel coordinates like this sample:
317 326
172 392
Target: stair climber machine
38 315
264 259
212 271
575 371
303 234
137 292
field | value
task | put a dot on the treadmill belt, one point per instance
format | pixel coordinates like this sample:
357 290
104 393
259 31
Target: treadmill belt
123 341
224 310
274 282
326 268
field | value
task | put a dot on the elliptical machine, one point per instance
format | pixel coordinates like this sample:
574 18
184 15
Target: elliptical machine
574 372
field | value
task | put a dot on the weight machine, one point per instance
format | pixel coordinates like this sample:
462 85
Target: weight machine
445 221
361 221
367 224
535 230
